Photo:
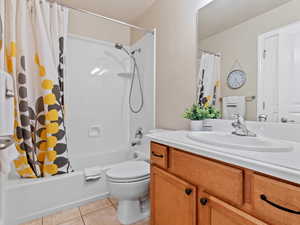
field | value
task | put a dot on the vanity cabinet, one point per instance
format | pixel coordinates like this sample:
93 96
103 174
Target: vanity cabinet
173 200
275 201
188 189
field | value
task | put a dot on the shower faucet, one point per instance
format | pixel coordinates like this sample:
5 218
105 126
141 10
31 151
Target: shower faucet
139 134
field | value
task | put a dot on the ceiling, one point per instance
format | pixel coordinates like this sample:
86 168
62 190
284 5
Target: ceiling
221 15
125 10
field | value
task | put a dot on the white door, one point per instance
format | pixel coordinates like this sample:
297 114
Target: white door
289 74
268 79
279 75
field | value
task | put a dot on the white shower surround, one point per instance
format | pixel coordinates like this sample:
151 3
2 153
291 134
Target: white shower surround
112 147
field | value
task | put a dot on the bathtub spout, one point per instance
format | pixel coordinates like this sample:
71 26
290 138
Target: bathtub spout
135 143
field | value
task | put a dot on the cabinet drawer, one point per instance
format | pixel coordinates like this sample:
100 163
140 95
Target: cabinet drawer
276 202
217 179
159 155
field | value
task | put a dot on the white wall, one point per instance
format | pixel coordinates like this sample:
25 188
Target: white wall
175 21
97 28
99 100
240 42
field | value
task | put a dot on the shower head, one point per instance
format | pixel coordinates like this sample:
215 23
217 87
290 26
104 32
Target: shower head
119 46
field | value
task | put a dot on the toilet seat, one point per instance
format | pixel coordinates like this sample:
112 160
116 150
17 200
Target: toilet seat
128 172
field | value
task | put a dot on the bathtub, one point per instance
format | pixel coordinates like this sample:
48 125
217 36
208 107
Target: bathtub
25 200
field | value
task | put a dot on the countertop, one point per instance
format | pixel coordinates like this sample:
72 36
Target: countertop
283 165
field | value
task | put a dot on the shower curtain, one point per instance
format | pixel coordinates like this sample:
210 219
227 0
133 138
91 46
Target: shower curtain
209 76
35 36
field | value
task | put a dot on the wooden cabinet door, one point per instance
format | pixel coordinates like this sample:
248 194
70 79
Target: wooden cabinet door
212 211
173 201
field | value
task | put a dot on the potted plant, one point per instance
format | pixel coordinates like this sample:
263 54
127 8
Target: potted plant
210 113
196 115
200 116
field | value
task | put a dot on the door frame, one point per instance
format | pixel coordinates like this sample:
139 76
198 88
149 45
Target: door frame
260 53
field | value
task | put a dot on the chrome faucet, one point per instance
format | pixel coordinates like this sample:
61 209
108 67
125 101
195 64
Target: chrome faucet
262 117
240 127
139 133
138 136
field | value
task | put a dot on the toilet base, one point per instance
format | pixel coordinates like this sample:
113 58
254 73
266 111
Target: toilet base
130 212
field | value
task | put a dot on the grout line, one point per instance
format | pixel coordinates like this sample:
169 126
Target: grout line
112 204
81 215
83 221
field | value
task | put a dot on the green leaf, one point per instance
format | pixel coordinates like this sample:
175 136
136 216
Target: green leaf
197 112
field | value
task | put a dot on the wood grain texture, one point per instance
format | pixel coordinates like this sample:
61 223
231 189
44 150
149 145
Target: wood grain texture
225 214
159 155
281 193
234 193
248 175
170 205
204 211
217 179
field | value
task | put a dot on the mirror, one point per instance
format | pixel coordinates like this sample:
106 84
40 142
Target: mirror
252 48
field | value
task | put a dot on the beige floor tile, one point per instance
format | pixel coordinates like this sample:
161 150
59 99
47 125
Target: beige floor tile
78 221
94 206
143 222
34 222
105 216
62 217
114 202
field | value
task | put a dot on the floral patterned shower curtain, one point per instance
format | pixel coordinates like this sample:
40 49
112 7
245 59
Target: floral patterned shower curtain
35 35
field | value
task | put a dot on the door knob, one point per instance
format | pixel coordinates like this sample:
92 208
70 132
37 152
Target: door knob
203 201
188 191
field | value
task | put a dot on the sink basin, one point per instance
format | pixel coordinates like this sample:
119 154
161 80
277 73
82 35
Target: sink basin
228 140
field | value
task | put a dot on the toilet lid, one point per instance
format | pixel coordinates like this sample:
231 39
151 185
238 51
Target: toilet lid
129 170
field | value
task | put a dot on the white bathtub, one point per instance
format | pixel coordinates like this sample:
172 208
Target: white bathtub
25 200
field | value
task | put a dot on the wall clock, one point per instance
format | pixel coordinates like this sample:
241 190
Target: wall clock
236 79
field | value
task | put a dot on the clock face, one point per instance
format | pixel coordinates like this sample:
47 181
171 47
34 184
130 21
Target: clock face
236 79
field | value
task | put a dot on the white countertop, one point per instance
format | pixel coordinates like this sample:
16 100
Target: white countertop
284 165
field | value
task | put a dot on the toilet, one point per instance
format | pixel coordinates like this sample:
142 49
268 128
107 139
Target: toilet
128 182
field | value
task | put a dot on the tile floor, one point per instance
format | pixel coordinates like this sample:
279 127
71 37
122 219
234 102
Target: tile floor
101 212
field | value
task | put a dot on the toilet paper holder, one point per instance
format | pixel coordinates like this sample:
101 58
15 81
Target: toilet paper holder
6 141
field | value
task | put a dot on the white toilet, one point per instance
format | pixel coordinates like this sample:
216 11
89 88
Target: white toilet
129 183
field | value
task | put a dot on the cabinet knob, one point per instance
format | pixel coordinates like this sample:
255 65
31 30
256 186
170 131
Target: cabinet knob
203 201
188 191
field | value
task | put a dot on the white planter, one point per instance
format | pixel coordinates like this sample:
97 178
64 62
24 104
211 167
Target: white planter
207 125
196 125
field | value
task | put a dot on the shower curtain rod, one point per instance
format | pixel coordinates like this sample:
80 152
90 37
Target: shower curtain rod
212 53
103 17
